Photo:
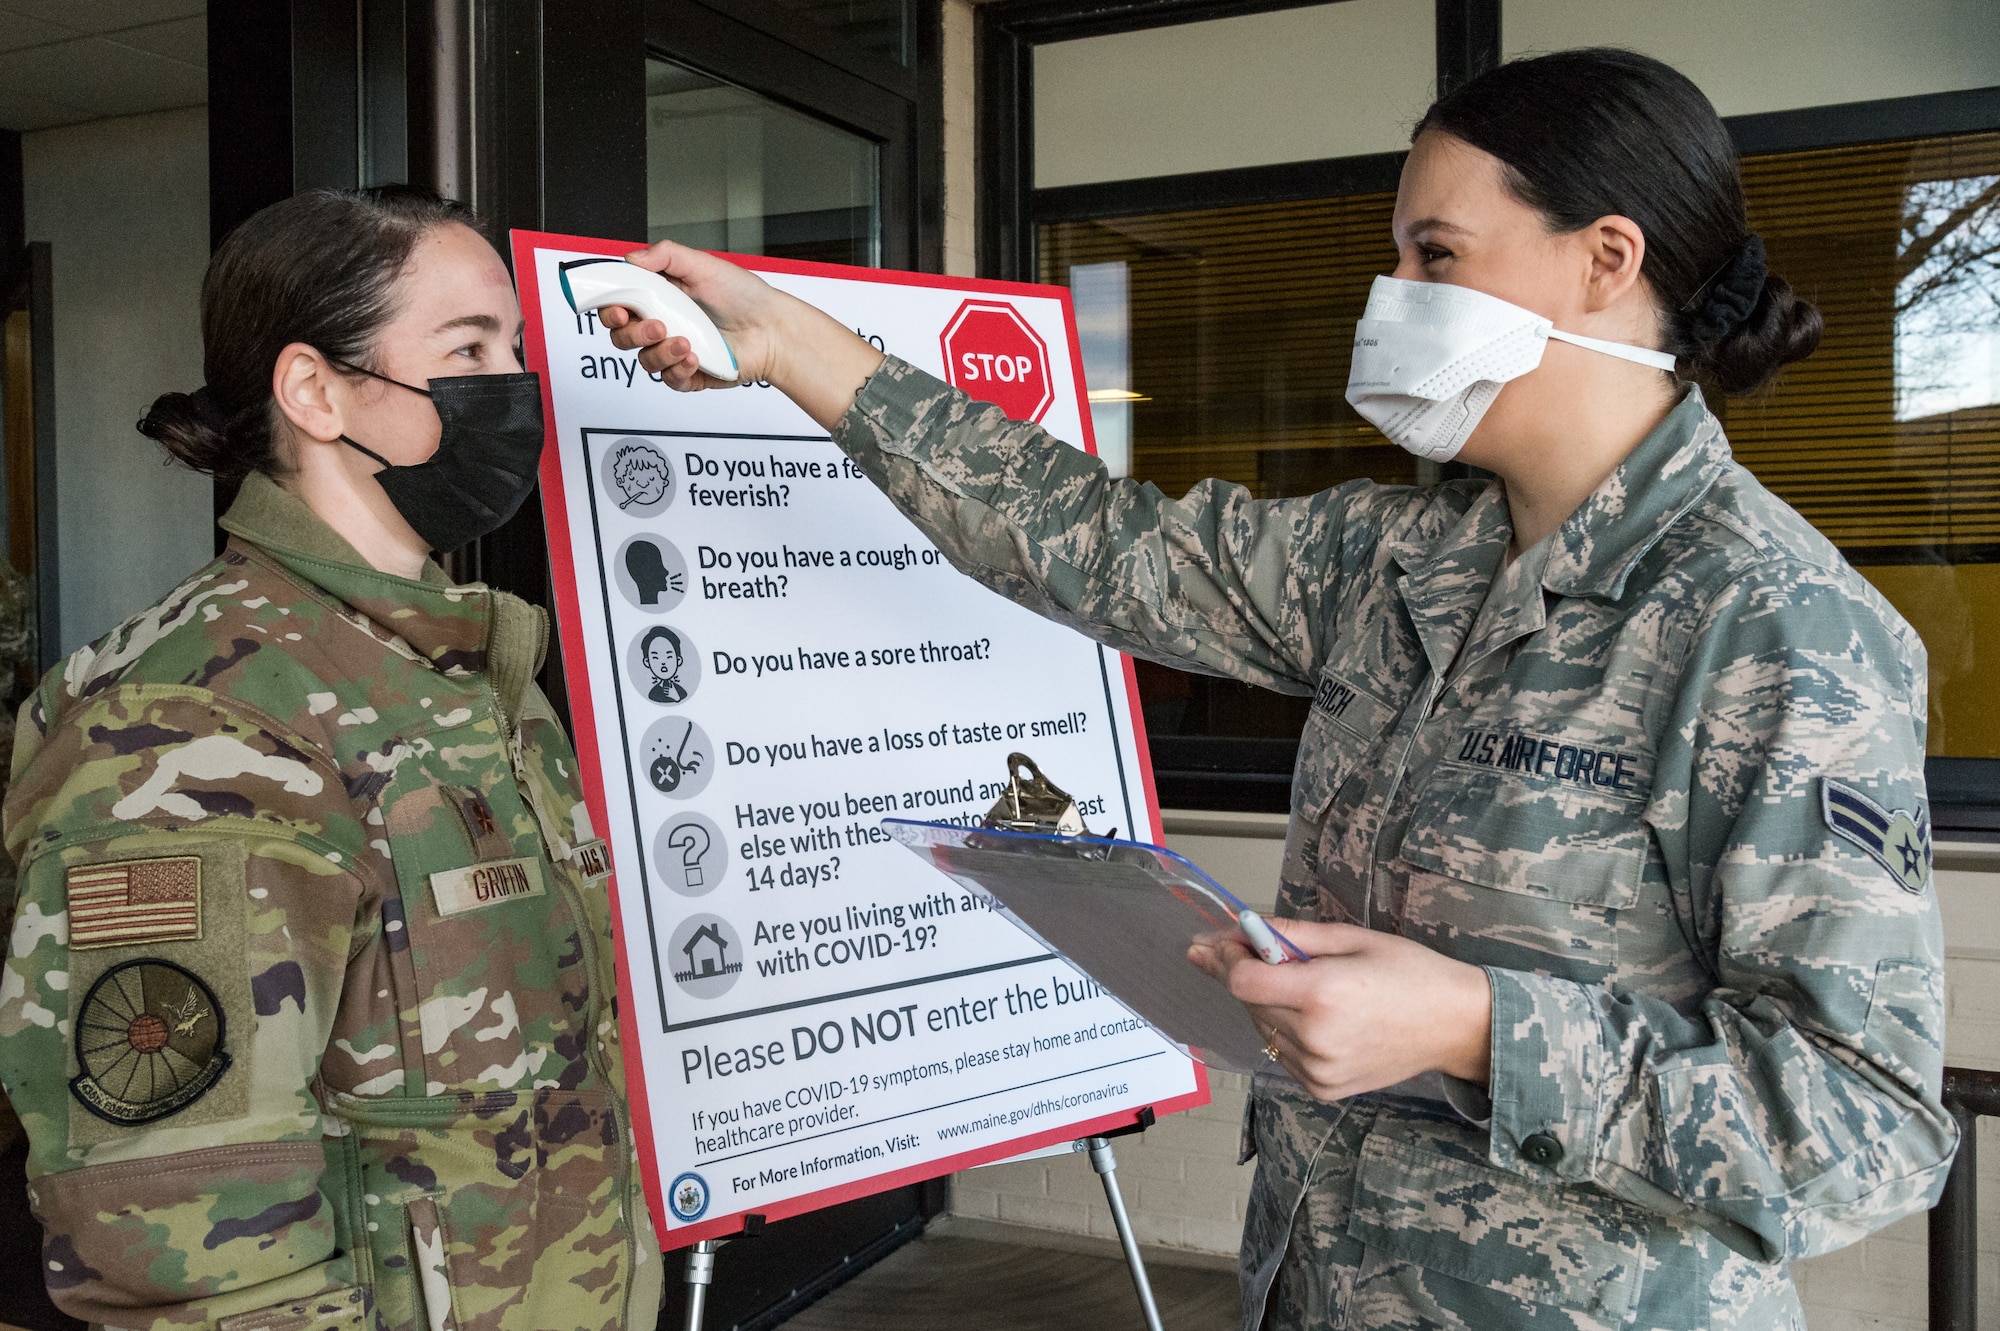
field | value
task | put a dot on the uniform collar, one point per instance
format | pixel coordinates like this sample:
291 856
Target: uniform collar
1446 578
448 626
1449 566
1597 546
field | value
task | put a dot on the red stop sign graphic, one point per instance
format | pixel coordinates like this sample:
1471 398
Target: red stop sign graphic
991 353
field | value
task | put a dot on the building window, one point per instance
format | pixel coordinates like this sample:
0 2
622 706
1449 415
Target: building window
1215 343
728 169
1888 438
1231 360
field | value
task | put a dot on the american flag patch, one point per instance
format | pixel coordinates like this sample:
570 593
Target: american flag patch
134 901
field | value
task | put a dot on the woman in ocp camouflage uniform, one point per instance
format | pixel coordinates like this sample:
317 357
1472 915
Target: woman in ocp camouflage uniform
1608 830
308 1009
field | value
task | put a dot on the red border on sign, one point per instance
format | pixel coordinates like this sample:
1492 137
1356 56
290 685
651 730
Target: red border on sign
570 640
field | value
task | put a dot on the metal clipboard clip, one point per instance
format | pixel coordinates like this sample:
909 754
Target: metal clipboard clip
1033 803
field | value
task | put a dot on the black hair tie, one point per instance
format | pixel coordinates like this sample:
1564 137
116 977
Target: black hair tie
1721 304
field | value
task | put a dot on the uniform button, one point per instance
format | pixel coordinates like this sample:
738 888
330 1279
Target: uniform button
1541 1149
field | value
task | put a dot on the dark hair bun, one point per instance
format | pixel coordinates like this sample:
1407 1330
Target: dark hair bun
195 431
1780 328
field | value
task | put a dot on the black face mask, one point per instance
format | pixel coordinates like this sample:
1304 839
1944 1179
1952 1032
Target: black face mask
488 453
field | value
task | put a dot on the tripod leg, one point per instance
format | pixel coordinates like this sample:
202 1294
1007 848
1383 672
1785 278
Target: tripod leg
700 1271
1106 1165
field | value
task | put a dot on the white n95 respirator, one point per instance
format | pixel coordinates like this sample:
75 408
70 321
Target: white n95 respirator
1429 359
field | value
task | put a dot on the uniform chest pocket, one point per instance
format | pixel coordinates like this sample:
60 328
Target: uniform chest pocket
1424 1193
1344 729
1543 840
1343 734
500 983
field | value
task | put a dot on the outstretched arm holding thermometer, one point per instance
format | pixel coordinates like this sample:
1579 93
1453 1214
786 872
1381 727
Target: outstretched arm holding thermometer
1351 1010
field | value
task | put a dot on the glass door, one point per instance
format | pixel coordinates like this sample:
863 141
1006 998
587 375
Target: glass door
730 169
28 635
802 129
796 129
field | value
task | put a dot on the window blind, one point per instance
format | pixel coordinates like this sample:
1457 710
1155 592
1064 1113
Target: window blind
1897 245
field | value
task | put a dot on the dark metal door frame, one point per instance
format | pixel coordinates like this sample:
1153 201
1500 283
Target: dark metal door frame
786 58
1007 32
27 281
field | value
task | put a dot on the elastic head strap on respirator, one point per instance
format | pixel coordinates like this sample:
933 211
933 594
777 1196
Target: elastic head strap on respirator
1659 360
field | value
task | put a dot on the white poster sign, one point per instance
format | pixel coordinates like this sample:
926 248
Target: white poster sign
765 660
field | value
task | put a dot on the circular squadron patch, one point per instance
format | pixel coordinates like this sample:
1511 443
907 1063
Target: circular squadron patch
148 1041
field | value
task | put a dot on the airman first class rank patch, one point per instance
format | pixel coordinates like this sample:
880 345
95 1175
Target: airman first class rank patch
1900 842
134 901
148 1041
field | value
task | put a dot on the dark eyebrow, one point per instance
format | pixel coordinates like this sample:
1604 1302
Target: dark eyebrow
1435 224
485 323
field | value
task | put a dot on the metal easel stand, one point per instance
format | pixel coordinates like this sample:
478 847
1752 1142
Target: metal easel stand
1106 1165
701 1269
700 1274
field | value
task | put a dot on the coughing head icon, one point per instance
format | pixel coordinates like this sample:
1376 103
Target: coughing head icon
648 570
651 574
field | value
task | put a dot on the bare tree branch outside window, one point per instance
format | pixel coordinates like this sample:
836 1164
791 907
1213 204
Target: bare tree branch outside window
1947 304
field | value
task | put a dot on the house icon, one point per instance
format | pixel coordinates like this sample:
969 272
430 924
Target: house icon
707 952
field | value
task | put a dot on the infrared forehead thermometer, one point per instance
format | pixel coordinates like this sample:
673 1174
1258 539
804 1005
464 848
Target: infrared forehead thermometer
592 284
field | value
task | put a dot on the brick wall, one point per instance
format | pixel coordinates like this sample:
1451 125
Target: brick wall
1180 1180
960 111
1186 1192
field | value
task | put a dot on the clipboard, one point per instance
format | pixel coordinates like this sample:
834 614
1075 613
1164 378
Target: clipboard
1121 913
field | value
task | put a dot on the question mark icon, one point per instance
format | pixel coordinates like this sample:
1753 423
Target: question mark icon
692 855
692 841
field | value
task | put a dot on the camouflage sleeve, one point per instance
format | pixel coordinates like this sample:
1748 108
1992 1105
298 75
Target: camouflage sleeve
1794 1107
1218 581
187 907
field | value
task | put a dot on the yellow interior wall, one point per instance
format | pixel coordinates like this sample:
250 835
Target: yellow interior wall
1957 610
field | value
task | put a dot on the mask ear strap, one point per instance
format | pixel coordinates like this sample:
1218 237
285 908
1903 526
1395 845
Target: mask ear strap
362 369
363 449
1659 360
